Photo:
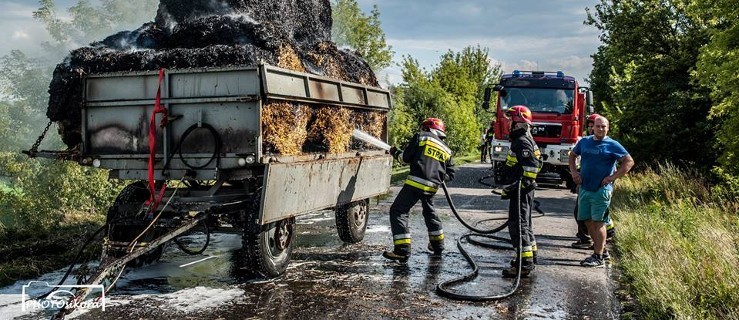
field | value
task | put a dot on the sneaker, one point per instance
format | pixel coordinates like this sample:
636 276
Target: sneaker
436 250
392 255
512 272
593 261
606 256
580 244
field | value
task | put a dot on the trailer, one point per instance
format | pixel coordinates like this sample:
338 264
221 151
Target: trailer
200 164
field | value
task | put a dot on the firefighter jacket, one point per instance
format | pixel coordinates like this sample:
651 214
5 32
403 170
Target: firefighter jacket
430 162
489 135
524 157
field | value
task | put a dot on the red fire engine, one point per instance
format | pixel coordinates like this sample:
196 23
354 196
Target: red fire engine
558 105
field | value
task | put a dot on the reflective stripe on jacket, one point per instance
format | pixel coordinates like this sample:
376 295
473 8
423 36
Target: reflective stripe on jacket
524 157
430 161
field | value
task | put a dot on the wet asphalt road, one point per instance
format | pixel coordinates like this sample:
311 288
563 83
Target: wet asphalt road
328 279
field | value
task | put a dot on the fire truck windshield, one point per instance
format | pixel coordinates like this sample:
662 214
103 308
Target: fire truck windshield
544 100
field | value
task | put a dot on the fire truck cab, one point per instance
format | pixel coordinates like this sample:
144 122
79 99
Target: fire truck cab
559 107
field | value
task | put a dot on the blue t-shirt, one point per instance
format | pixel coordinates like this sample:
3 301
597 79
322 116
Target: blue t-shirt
597 160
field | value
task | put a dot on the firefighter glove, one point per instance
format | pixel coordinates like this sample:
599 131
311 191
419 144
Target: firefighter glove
448 177
528 185
508 190
395 152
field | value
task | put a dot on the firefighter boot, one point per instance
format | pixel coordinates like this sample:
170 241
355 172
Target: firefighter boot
526 268
400 253
436 247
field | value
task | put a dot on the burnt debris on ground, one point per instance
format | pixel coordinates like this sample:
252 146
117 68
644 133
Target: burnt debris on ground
292 34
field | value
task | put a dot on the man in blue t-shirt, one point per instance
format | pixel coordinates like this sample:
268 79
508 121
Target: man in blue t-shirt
598 157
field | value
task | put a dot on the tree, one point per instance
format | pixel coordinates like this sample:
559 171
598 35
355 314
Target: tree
451 91
25 184
717 69
88 23
360 32
23 81
642 79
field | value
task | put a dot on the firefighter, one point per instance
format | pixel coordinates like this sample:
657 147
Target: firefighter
431 164
488 141
583 238
522 165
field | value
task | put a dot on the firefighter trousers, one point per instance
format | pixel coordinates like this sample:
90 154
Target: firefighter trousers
399 212
520 226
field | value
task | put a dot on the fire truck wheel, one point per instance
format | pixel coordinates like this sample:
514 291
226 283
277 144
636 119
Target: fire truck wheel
268 248
351 220
125 223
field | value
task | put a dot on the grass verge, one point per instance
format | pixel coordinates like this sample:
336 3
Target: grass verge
677 246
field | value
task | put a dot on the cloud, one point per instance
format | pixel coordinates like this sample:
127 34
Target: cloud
522 34
20 34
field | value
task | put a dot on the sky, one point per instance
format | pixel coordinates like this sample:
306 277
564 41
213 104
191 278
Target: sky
546 35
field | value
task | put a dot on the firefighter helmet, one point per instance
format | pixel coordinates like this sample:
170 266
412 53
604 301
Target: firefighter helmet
519 114
592 117
434 125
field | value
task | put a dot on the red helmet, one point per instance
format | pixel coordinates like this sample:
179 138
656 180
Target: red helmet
592 117
519 114
434 125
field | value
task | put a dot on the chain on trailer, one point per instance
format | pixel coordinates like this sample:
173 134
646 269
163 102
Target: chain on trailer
443 289
34 148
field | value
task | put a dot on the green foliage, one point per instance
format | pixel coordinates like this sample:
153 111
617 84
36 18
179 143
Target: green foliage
717 68
24 82
676 245
642 80
361 32
452 91
40 195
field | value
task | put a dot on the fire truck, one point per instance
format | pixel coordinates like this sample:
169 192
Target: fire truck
559 107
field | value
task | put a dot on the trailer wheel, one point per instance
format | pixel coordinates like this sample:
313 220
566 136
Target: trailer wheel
351 220
268 248
125 224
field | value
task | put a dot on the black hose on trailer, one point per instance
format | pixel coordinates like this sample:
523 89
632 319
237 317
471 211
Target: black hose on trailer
178 148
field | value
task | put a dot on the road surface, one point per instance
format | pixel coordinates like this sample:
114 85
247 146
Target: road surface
328 279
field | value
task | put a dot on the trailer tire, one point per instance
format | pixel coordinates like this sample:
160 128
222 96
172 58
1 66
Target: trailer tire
122 215
351 220
268 248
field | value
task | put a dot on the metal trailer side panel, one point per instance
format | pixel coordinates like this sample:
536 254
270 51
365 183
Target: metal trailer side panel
281 84
118 108
316 185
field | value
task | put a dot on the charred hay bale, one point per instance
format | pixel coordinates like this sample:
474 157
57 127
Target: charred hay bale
331 128
306 21
326 59
292 34
371 122
285 127
287 58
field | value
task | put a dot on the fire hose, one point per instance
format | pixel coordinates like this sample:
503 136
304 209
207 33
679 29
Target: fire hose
443 288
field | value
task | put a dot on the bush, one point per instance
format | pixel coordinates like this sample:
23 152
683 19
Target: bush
40 195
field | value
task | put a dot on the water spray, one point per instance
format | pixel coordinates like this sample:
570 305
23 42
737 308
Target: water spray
366 137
